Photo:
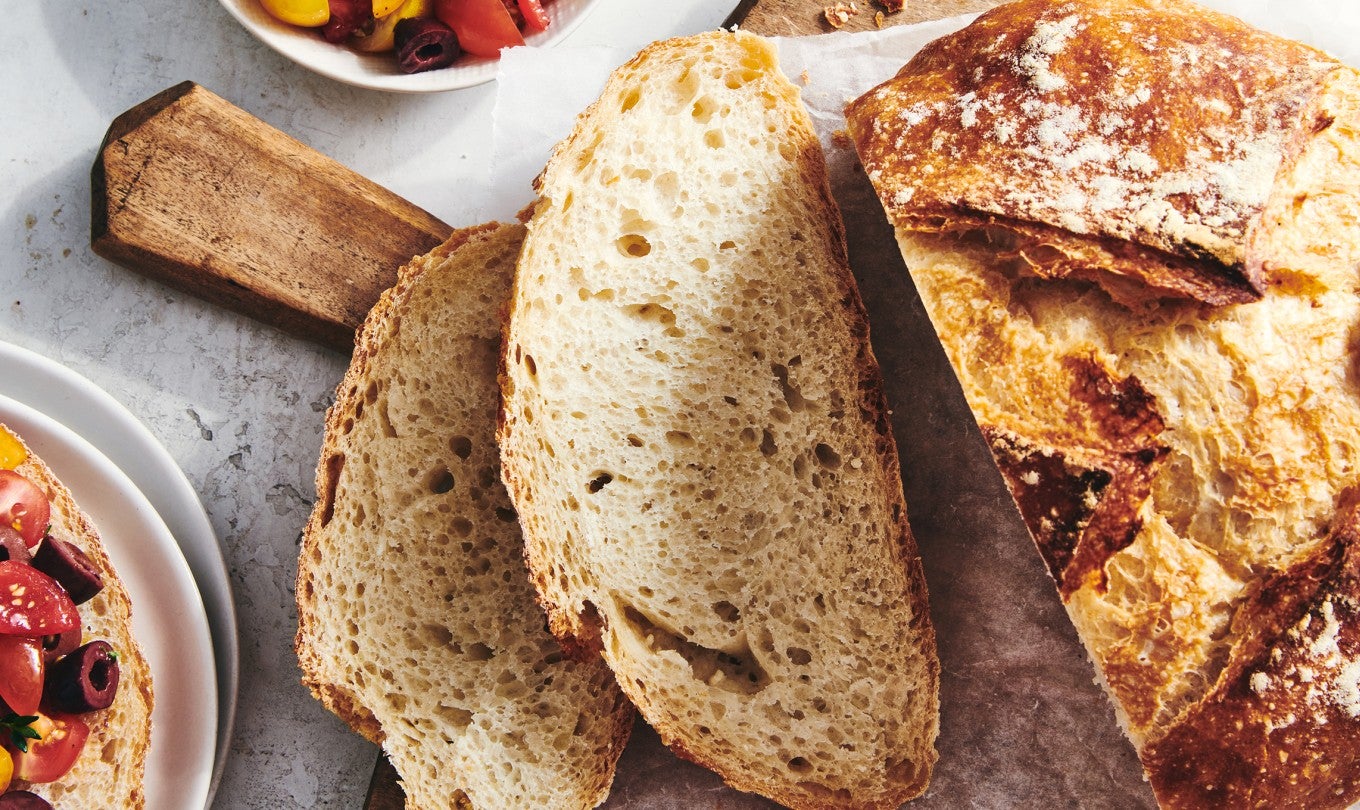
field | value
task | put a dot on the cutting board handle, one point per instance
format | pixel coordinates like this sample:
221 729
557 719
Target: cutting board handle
193 191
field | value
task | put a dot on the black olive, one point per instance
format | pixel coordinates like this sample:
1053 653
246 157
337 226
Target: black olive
424 43
56 646
23 800
12 545
85 680
69 566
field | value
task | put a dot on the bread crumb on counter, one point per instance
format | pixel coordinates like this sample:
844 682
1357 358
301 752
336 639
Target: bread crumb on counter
839 14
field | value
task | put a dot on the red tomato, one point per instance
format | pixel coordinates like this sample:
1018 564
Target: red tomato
21 673
48 759
32 604
23 506
535 18
483 26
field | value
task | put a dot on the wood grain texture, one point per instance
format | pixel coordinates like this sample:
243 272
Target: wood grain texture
786 18
195 192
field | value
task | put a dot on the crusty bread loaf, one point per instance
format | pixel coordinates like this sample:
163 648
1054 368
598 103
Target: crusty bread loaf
1186 465
695 436
416 620
112 765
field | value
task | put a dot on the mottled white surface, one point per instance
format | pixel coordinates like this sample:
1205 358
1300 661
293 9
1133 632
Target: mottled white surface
238 405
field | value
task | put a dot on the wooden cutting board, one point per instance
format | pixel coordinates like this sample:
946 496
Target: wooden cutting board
191 190
195 192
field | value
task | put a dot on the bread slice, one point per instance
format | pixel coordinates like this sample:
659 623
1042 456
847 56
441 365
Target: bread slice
111 768
1187 470
416 621
696 439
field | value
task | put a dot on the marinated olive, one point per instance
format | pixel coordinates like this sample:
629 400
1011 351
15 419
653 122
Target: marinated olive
58 646
424 43
85 680
70 567
23 800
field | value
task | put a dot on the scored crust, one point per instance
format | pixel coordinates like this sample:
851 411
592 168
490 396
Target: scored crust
1185 463
110 770
1135 143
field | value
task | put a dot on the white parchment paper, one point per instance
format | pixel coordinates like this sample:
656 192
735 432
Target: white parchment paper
1023 723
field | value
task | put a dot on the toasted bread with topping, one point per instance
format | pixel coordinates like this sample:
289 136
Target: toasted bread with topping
111 768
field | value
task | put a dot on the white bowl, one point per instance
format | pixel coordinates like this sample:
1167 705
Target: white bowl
379 71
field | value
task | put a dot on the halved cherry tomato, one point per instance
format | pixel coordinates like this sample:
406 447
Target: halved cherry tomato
32 604
62 736
21 673
483 26
23 506
535 18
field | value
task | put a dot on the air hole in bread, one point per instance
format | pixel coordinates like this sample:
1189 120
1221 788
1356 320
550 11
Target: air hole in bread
506 515
598 482
654 313
800 467
679 438
634 440
798 656
738 672
800 765
767 445
334 464
633 245
461 446
477 651
703 109
439 481
530 366
827 457
727 611
788 390
700 264
630 100
456 717
461 527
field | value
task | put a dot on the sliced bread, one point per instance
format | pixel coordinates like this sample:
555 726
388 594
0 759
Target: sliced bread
696 439
416 621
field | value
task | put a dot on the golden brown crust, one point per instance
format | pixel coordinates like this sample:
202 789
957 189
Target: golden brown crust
1282 725
126 724
1118 141
1081 486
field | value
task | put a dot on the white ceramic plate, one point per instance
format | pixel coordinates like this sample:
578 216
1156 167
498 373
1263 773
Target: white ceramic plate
90 412
167 615
379 71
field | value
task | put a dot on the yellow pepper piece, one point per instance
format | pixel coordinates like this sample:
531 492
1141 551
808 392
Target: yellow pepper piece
382 38
381 8
12 452
310 13
6 770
